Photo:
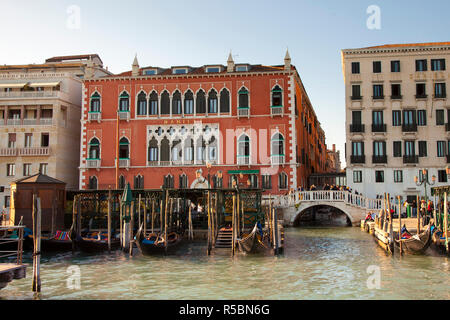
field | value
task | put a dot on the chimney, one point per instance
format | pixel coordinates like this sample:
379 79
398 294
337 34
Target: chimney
230 63
287 61
135 67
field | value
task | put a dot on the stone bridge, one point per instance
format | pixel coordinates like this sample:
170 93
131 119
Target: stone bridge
354 206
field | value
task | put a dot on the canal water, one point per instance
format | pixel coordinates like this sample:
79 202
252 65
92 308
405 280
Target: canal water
318 263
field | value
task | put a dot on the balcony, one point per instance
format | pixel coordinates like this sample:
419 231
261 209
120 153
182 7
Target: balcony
243 112
152 163
35 151
357 159
378 127
30 122
359 127
411 159
396 97
124 163
277 159
440 96
8 152
14 122
355 98
243 160
93 163
276 110
378 97
379 159
29 94
409 127
27 122
124 115
95 116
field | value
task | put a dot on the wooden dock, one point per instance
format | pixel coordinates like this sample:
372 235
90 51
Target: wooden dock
10 271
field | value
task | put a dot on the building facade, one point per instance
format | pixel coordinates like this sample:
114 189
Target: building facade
40 110
186 127
397 116
333 160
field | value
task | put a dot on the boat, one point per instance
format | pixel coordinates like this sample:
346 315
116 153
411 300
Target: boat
93 242
438 240
413 244
253 242
61 241
8 240
154 243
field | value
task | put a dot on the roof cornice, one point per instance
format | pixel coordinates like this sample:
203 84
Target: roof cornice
411 49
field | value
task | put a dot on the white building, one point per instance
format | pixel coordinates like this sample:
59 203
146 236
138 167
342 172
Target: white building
397 117
40 110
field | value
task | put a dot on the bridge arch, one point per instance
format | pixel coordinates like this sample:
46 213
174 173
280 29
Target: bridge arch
339 207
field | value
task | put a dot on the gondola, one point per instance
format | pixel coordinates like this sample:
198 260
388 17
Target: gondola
154 244
252 243
413 244
93 242
438 241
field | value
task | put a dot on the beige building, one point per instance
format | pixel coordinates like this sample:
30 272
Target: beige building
333 160
397 117
40 110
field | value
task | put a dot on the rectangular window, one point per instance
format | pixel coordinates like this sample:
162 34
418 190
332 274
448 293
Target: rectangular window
142 107
379 176
212 69
440 90
440 117
422 149
442 176
409 117
421 65
357 176
266 181
377 67
45 140
397 149
437 64
27 169
396 118
11 140
355 67
377 117
378 91
28 140
422 117
441 152
43 168
180 71
395 66
396 90
212 108
356 91
149 72
189 106
7 201
153 107
358 148
241 68
410 148
398 176
379 148
421 91
10 170
356 117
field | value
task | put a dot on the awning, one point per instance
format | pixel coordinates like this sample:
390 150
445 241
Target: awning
243 171
12 85
44 84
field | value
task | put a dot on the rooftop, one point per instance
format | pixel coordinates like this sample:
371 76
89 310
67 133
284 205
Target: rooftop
39 178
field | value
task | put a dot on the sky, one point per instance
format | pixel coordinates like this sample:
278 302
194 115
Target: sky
168 33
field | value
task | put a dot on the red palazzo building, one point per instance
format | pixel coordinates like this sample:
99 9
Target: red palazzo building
186 127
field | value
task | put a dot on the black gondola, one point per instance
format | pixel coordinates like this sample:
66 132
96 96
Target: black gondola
92 242
253 242
154 243
415 244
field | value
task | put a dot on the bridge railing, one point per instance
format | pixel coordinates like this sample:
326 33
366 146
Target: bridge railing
327 196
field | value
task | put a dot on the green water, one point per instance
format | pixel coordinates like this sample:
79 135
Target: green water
318 263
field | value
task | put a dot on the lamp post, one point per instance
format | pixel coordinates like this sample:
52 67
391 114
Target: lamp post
424 180
208 166
219 179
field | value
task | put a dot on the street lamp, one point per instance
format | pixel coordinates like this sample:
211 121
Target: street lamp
208 165
424 180
219 179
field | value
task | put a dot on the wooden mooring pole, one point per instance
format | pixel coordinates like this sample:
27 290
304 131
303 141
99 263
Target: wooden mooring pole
74 219
445 229
399 225
37 244
233 227
109 219
131 233
418 214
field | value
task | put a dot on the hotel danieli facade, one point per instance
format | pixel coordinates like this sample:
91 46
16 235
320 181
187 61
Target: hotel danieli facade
190 127
397 117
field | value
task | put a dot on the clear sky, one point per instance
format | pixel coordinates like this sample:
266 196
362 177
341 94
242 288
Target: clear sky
180 32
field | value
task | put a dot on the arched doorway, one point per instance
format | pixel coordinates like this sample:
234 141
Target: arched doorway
322 216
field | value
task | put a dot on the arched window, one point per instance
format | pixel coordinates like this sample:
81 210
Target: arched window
165 150
277 145
253 181
183 181
124 148
282 180
224 101
212 101
165 103
168 181
243 98
94 149
189 102
153 110
176 103
277 96
243 155
121 182
189 150
139 182
124 102
201 146
153 150
95 102
201 102
177 152
93 183
142 104
212 149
